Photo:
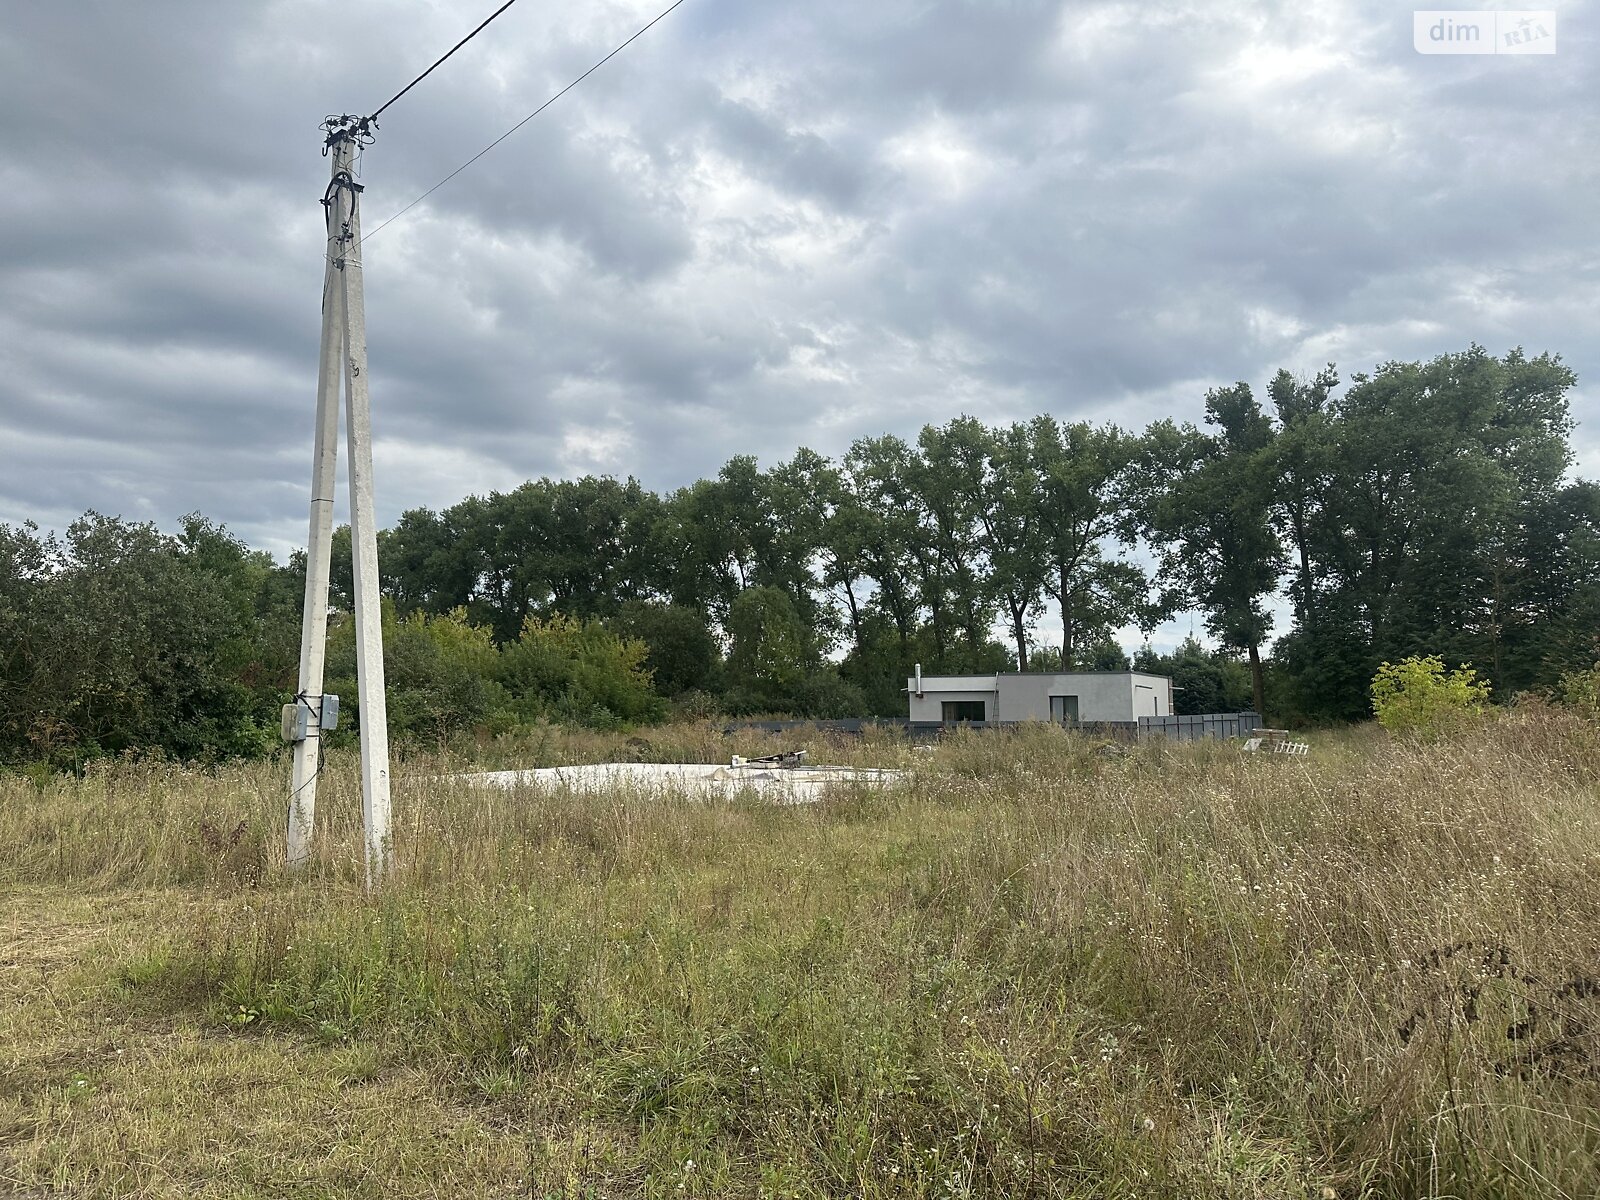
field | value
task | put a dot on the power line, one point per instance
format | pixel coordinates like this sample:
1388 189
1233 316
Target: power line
447 54
618 50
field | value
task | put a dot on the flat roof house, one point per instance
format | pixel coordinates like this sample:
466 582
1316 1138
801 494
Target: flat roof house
1074 697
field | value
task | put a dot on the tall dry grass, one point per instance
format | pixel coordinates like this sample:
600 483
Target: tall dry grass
1041 966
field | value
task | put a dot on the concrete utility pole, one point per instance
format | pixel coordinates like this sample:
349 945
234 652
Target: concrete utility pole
344 352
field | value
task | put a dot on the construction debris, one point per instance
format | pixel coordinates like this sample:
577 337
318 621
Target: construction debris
1276 741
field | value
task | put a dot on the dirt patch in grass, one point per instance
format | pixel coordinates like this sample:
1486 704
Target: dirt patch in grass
103 1097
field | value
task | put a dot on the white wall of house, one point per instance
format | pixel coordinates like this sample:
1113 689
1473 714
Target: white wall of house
1093 695
936 689
1152 695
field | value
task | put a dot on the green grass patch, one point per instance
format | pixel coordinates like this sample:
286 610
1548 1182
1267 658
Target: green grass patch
1037 968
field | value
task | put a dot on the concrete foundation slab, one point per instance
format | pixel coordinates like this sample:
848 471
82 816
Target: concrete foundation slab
782 785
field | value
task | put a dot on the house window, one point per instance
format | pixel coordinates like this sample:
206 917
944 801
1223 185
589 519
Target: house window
1064 710
964 710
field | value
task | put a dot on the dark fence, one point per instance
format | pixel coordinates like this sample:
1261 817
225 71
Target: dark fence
819 725
1207 725
920 730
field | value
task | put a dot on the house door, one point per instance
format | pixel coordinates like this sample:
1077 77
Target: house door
1064 710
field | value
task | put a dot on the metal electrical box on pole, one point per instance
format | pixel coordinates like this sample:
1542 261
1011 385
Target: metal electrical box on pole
344 356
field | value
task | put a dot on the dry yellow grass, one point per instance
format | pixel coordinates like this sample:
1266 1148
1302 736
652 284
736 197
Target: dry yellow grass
1039 968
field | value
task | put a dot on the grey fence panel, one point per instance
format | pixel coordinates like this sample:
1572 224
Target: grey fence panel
817 725
1205 725
920 730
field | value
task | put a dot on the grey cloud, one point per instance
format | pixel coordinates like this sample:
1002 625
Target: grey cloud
761 226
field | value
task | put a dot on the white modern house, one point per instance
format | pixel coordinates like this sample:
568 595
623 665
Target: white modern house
1074 697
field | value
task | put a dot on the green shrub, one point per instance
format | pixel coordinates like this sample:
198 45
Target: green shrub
823 694
695 705
1419 697
1580 691
579 671
438 673
119 638
682 653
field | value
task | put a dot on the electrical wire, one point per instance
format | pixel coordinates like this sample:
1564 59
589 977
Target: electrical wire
312 778
618 50
446 55
300 698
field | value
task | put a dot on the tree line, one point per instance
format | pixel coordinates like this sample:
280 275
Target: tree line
1425 508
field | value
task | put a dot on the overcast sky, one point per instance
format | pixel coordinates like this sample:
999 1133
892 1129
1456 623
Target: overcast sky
764 225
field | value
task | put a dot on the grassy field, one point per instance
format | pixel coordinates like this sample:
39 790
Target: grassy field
1041 967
